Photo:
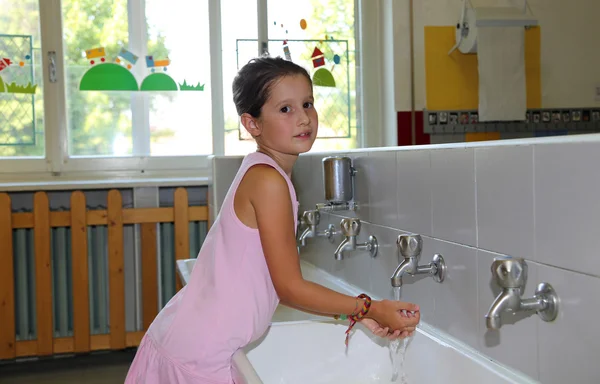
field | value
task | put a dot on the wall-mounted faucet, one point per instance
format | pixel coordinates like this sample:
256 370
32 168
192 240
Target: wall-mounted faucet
312 219
350 229
410 247
511 275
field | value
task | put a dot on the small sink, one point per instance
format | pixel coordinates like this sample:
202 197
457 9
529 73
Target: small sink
184 269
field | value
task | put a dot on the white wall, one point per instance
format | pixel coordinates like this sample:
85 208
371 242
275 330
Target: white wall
570 58
536 199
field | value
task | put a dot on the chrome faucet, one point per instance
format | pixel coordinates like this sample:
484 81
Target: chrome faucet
350 229
410 246
312 219
511 275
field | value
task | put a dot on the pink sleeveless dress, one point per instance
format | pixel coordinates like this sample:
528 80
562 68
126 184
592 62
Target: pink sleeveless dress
227 304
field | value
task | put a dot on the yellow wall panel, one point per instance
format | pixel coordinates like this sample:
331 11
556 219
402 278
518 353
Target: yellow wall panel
482 136
533 65
452 81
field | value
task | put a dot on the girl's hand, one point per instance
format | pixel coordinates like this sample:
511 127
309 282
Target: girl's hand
395 316
380 331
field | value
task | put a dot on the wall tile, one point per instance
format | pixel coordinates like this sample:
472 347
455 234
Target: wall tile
569 347
455 299
453 195
567 207
301 178
309 184
414 191
383 199
505 199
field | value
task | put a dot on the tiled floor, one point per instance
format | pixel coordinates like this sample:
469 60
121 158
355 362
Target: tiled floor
107 368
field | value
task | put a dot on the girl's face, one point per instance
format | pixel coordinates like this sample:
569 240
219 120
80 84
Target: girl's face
288 122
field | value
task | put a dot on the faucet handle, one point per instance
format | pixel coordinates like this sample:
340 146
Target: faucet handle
311 217
410 245
509 272
350 226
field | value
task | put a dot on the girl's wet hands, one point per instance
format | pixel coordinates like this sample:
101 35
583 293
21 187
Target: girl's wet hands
392 318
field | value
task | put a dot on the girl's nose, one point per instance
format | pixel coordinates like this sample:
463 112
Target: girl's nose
303 119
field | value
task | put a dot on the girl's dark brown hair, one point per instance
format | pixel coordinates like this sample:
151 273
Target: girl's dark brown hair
252 84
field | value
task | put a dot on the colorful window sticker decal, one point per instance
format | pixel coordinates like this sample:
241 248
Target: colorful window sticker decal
286 51
332 86
318 58
158 82
17 90
108 77
126 58
117 76
322 76
14 87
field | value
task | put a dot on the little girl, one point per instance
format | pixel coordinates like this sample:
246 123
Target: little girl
249 260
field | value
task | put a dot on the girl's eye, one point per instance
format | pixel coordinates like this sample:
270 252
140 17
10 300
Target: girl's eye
285 109
308 105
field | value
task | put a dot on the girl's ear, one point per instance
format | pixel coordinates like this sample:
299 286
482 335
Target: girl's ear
251 124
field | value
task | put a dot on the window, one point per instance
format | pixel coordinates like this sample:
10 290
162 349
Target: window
145 85
235 25
99 122
303 25
21 107
327 27
155 122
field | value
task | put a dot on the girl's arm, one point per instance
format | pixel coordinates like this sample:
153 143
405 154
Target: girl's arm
272 206
291 305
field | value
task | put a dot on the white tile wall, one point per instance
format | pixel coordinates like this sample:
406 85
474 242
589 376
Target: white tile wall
455 299
453 195
505 199
383 188
361 164
570 346
303 190
536 199
414 191
567 206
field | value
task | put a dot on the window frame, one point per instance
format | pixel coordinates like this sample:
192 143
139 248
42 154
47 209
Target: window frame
60 166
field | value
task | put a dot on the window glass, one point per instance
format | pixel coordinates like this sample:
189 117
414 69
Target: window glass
236 24
319 35
99 121
137 85
21 81
180 122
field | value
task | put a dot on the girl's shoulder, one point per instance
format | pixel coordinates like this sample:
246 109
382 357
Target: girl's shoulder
264 176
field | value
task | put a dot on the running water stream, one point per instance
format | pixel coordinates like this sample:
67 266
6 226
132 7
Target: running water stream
398 350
